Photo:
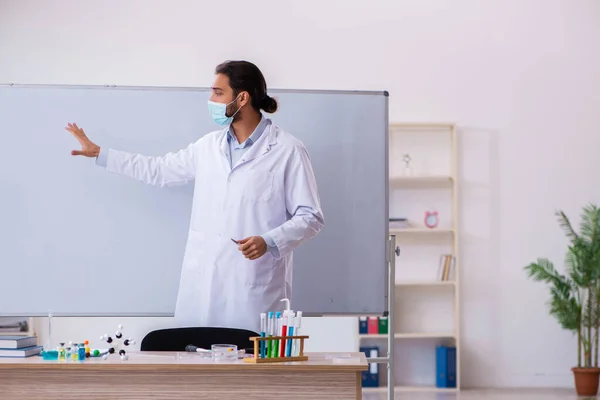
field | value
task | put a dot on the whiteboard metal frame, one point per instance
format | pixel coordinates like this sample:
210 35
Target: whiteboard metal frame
393 252
186 88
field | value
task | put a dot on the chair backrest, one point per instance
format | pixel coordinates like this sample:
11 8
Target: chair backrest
175 339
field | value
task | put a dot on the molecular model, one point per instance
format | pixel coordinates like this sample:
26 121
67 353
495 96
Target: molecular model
117 343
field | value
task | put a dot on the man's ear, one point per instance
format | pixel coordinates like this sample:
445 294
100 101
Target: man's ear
244 98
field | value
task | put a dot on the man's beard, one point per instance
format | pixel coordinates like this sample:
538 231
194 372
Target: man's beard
231 109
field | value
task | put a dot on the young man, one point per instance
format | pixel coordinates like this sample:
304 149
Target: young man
254 185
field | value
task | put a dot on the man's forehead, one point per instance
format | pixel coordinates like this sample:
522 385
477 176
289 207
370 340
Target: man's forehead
221 82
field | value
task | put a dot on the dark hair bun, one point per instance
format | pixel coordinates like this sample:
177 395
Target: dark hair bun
269 104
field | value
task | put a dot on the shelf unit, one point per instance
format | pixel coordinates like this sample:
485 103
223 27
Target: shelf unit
426 231
408 335
409 389
420 294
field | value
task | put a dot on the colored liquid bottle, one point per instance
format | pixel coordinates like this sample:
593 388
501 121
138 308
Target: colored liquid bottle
81 352
74 353
62 352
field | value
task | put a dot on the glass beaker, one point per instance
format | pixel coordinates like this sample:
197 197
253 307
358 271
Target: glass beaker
224 352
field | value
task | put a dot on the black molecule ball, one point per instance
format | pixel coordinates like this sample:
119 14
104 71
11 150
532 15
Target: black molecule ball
121 352
111 350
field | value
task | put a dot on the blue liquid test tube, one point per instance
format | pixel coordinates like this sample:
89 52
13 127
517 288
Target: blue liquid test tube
263 332
288 345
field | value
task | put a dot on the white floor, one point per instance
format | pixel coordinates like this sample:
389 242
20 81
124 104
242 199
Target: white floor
487 394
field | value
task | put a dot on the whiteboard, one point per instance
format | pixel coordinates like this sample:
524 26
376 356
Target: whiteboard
79 241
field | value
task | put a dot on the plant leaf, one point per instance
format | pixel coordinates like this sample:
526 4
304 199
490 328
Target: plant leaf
565 224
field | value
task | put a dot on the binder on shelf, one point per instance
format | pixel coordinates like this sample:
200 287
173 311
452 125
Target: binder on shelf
370 378
446 267
363 328
445 360
373 328
383 325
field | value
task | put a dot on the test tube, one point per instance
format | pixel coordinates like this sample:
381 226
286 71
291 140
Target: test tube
290 332
298 320
283 332
270 333
277 333
263 332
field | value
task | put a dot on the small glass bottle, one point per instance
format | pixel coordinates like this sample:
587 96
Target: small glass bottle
62 352
81 351
74 353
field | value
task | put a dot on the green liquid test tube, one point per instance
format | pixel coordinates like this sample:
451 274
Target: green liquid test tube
270 333
277 332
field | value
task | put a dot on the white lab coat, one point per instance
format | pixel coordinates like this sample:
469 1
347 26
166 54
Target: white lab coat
265 192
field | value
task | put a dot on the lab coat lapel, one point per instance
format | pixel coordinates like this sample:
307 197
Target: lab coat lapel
261 147
224 149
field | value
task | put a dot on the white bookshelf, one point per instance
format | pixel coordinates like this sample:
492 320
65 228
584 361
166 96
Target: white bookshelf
427 310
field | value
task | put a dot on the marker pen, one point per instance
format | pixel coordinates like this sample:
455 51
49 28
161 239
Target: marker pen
277 333
270 333
288 343
263 332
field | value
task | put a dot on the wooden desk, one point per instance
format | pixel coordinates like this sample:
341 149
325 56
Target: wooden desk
167 375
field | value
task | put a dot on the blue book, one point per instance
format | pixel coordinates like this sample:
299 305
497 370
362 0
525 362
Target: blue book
22 352
370 378
363 327
16 341
445 359
451 381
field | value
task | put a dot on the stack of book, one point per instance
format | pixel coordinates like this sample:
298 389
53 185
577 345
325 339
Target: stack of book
19 346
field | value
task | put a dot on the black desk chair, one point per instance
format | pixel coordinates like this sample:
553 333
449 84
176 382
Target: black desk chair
175 339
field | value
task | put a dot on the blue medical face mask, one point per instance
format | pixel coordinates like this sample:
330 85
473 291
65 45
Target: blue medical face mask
218 112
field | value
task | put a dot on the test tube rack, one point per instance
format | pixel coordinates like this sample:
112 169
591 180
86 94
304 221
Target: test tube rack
259 360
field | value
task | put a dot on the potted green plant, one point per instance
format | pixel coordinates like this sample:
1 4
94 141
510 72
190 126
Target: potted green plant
575 295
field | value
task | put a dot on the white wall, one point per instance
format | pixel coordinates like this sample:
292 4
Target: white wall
520 77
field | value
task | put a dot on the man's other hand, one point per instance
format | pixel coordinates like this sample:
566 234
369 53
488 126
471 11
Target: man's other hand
253 247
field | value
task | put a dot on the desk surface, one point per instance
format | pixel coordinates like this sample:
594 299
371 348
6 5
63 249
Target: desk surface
182 376
192 361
